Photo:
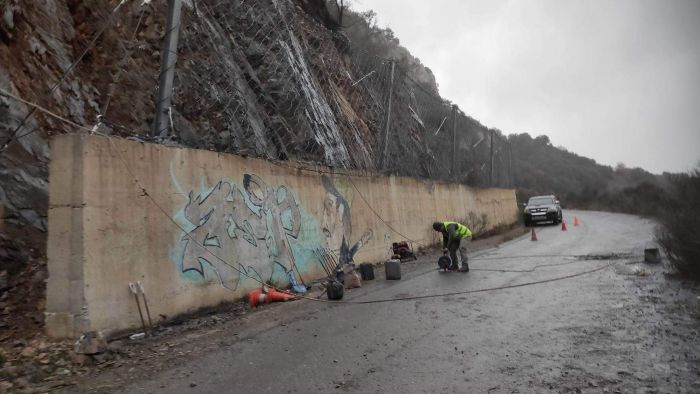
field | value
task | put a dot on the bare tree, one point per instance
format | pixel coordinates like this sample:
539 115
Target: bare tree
340 9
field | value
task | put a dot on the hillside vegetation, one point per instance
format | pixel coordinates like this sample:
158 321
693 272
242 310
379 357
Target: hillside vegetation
680 220
580 182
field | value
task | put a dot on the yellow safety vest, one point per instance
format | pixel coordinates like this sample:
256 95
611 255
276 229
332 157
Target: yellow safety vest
462 230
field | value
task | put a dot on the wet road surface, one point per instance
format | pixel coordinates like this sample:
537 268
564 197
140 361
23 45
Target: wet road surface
591 333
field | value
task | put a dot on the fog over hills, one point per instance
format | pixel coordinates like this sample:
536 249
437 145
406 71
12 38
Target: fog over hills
593 76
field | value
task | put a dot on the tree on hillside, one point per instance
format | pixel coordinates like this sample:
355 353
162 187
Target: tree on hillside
362 30
340 11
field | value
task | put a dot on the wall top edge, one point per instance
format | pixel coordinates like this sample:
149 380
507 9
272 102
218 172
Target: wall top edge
288 164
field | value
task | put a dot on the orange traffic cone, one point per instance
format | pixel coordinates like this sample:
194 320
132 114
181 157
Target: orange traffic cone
274 296
575 220
257 297
533 237
563 226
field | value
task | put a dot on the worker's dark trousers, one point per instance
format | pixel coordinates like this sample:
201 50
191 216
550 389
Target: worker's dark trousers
453 247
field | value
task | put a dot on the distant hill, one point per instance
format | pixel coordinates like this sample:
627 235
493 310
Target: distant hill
580 182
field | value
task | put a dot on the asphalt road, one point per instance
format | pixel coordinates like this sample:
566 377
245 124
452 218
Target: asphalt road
592 333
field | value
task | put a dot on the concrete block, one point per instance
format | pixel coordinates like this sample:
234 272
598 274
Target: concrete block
59 325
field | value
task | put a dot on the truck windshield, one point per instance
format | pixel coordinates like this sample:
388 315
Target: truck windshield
540 201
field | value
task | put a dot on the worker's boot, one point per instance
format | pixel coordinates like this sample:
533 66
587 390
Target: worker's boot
465 261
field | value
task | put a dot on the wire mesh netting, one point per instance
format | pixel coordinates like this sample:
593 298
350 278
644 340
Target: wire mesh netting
266 79
275 83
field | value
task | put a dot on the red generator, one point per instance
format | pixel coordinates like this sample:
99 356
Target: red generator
403 251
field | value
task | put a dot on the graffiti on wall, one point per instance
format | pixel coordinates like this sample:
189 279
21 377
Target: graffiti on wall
235 229
337 224
260 231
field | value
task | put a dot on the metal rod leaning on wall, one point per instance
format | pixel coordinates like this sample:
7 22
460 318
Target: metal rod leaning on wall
387 125
145 304
327 265
168 58
135 291
333 266
319 255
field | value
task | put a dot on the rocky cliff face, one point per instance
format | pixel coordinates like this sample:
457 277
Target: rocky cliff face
273 78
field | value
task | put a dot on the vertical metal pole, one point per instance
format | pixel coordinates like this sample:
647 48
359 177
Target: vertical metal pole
387 125
491 161
454 139
168 58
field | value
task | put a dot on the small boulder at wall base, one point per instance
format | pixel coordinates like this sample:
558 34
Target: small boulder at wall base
91 342
352 280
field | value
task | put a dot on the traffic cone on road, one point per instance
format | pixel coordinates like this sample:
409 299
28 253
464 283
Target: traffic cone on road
533 237
257 297
563 226
274 296
575 220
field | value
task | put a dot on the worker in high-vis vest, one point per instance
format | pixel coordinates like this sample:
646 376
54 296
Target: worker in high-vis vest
452 235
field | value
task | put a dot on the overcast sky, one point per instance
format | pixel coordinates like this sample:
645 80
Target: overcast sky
617 81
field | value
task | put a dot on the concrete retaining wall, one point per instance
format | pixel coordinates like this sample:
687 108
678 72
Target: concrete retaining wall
195 227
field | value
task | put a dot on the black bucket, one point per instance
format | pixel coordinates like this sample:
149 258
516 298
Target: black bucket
367 271
334 289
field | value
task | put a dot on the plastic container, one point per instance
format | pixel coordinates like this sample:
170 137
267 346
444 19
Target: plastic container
392 269
367 271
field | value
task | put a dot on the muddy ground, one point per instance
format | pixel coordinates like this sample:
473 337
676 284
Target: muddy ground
603 321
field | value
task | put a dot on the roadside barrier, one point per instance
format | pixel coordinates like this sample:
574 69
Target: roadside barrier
256 296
